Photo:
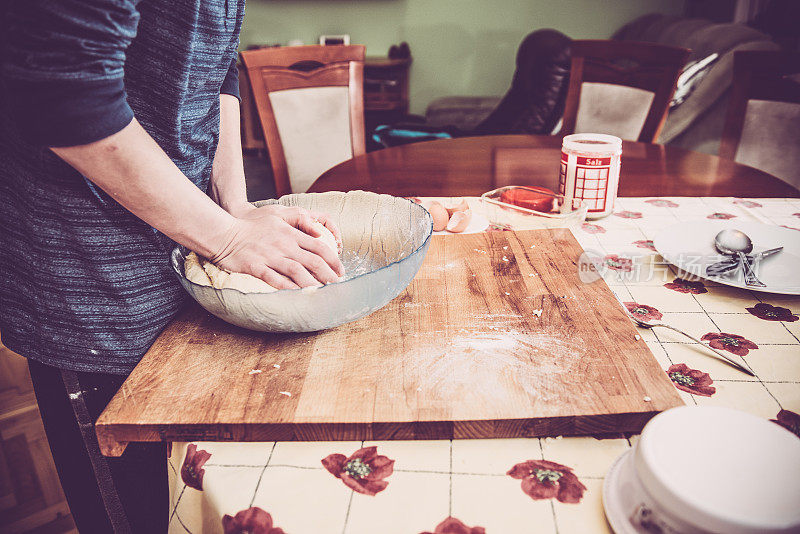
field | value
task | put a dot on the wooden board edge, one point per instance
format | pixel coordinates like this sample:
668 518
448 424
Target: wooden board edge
109 444
114 438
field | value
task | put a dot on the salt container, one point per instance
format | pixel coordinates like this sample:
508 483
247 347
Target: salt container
590 172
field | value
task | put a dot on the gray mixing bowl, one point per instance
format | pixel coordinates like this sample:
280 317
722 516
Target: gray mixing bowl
384 241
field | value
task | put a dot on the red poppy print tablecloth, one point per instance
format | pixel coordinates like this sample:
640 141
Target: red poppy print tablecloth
507 486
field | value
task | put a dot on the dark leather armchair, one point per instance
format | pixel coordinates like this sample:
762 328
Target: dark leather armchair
535 101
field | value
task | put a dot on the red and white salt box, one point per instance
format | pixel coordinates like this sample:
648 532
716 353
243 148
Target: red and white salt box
590 172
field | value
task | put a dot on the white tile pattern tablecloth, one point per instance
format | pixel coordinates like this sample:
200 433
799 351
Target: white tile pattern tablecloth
467 479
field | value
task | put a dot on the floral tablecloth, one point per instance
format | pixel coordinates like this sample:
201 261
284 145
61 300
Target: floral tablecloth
508 486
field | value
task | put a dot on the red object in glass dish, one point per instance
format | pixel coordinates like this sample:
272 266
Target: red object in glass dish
532 198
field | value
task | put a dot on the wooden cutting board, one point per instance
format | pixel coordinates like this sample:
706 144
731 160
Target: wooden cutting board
462 353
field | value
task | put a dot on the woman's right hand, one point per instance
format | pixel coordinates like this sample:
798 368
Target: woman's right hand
268 247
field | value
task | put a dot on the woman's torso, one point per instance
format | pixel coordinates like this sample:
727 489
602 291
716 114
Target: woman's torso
84 284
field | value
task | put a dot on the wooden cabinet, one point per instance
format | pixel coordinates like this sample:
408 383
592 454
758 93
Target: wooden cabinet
385 94
386 84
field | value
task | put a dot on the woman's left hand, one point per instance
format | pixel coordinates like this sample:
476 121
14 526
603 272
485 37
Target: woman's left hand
300 218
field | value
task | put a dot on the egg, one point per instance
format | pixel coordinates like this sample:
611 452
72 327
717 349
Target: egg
439 215
458 206
459 221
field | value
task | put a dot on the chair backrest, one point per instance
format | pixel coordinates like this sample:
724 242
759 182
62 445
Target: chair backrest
252 134
762 127
310 102
621 88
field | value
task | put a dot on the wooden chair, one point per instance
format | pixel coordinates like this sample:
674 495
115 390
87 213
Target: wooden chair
762 127
252 135
310 102
621 88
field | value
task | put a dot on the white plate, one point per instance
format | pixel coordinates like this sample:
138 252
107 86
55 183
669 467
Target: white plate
476 225
690 246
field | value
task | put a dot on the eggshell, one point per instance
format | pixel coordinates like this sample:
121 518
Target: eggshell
459 206
439 214
459 221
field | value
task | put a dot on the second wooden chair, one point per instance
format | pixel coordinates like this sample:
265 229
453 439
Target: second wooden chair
621 88
762 127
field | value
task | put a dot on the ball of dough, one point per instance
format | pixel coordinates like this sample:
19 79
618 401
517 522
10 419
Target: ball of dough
247 284
207 274
326 236
217 275
193 270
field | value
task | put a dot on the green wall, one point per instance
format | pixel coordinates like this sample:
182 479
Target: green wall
460 47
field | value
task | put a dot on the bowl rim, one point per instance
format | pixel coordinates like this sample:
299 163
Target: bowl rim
180 248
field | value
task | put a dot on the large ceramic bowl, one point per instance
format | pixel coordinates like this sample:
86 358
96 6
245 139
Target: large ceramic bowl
384 241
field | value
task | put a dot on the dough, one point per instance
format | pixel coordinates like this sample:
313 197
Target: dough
194 271
205 273
217 275
247 283
326 236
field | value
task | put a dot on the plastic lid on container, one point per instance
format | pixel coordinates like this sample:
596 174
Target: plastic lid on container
595 144
722 470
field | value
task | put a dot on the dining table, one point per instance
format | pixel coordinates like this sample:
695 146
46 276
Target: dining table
551 484
471 166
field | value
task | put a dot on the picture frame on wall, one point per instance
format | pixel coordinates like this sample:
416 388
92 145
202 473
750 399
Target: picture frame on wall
334 39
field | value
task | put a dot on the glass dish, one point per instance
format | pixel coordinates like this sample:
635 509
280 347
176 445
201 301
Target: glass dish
384 240
516 217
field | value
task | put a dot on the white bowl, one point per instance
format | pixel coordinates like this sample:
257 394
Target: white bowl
698 470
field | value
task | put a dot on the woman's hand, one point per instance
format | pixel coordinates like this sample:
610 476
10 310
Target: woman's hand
298 217
276 243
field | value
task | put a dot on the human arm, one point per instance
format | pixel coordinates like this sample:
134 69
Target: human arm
228 180
63 75
227 186
131 167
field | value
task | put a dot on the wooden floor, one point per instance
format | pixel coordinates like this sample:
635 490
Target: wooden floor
31 499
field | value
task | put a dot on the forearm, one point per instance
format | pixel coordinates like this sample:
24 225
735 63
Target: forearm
227 175
131 167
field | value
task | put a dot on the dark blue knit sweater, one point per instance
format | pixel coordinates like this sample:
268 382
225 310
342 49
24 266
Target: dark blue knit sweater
84 284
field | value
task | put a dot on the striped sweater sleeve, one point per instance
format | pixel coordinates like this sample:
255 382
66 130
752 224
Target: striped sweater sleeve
63 68
230 86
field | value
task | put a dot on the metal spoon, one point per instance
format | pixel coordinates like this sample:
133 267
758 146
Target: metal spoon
721 267
736 243
731 361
